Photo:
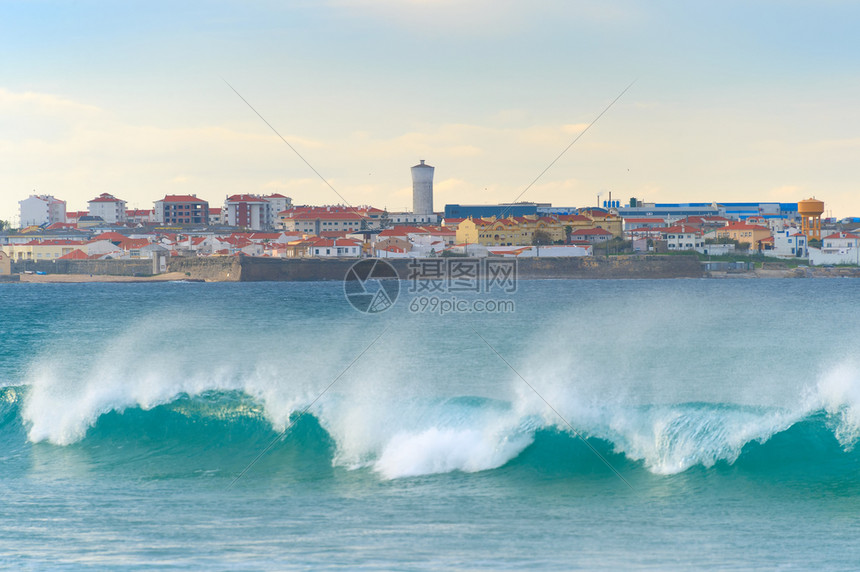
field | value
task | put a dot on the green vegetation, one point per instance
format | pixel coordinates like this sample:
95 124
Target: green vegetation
541 238
615 247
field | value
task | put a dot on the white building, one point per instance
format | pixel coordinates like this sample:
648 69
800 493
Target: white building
412 218
315 220
103 247
788 243
247 211
840 241
277 204
108 207
41 209
337 248
838 248
683 237
591 235
140 216
549 251
216 216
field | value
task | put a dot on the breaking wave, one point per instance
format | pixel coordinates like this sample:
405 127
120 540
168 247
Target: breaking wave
218 424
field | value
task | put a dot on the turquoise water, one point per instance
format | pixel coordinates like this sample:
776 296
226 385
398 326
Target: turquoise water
731 410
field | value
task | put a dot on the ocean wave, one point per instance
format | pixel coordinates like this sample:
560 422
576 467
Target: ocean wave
422 436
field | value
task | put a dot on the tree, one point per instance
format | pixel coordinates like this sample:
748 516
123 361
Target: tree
814 243
721 240
384 220
541 238
4 225
568 230
620 245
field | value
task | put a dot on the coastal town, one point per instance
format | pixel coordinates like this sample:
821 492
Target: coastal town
271 226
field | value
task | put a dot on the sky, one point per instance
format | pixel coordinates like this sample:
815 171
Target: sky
731 101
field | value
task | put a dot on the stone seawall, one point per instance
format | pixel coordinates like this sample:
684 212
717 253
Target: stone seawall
617 267
209 268
251 269
94 267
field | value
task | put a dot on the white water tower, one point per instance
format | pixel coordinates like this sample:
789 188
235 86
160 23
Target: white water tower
422 189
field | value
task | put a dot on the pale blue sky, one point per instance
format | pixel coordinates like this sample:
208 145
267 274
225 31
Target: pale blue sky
733 100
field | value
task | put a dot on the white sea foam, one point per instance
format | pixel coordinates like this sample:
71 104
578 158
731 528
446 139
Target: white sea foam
436 450
399 428
152 363
838 392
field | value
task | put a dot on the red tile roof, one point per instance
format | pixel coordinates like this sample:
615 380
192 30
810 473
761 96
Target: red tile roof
744 226
76 254
590 232
56 242
264 236
841 235
133 243
245 199
682 229
182 199
573 218
105 198
402 231
112 236
325 215
335 242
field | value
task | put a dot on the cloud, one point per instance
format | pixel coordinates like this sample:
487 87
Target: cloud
75 151
44 104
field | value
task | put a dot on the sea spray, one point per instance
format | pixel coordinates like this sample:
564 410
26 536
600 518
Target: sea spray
432 398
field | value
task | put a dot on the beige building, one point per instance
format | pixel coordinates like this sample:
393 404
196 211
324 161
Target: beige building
752 234
595 219
42 250
5 264
511 231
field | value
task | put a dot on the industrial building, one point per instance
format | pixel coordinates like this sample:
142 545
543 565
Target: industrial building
732 211
487 211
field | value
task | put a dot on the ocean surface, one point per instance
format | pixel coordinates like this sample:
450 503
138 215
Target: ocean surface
661 425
